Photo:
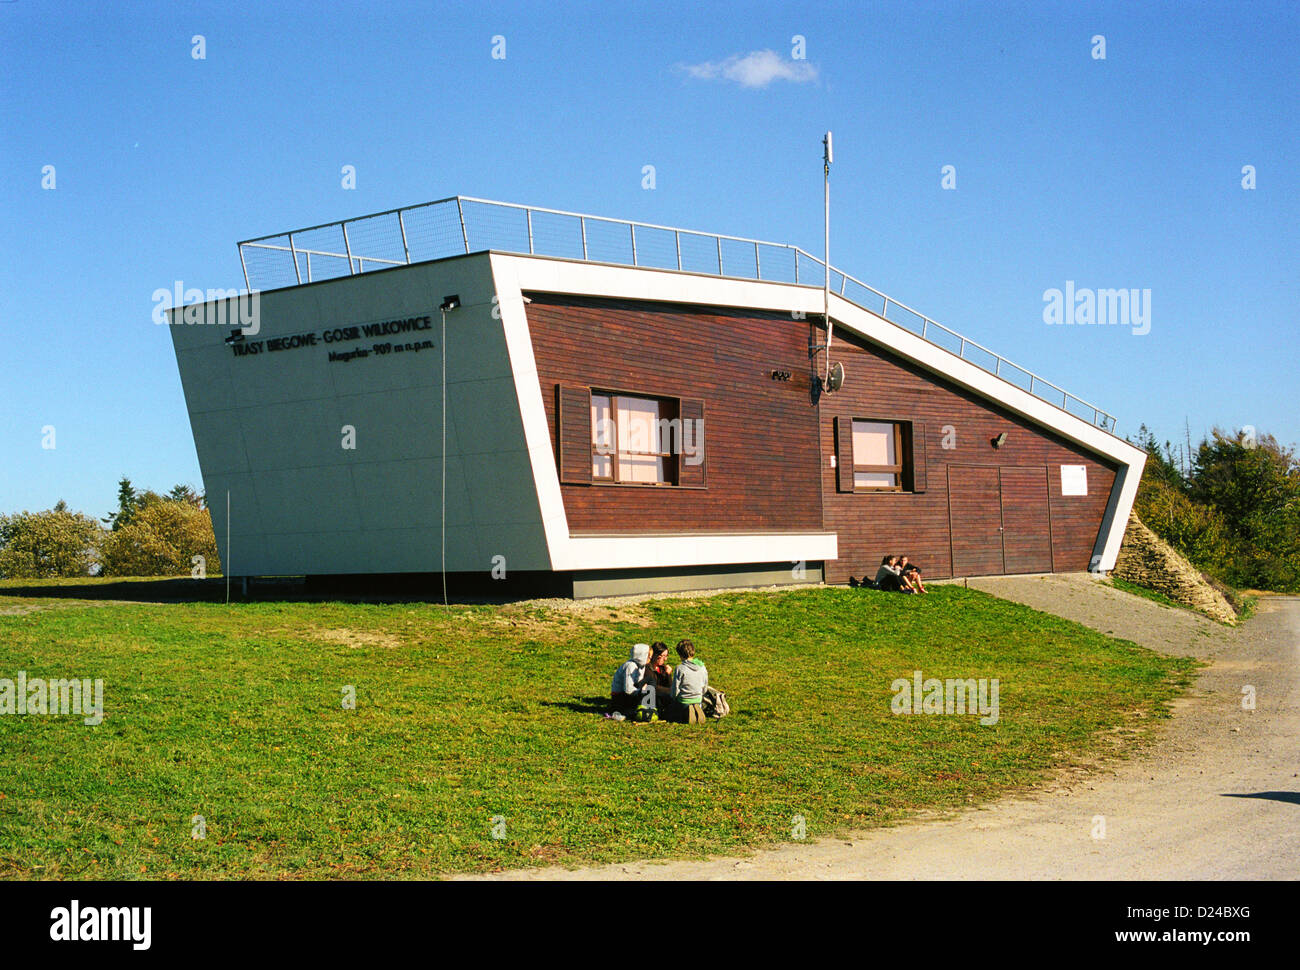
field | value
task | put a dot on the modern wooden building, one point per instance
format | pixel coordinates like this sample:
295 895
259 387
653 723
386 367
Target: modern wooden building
627 407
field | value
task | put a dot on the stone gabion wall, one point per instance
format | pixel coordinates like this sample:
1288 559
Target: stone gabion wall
1147 560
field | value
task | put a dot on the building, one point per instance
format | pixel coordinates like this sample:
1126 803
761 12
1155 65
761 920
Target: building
627 407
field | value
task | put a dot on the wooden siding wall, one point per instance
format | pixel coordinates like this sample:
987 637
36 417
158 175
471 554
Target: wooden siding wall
763 444
760 435
870 526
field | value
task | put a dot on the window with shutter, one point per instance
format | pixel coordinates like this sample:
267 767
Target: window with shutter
879 455
573 448
614 438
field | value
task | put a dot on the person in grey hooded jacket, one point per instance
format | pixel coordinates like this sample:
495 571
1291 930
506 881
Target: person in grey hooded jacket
690 680
633 686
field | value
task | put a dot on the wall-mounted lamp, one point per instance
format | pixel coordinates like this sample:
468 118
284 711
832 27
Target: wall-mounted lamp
449 303
1000 440
235 337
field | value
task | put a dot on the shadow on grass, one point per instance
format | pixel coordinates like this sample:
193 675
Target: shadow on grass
582 705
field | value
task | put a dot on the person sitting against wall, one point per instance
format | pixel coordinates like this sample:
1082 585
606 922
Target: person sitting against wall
910 574
632 691
888 576
911 577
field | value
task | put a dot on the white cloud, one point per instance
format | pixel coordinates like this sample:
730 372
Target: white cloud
757 69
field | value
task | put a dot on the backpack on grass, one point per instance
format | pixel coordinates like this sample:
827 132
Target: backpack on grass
715 703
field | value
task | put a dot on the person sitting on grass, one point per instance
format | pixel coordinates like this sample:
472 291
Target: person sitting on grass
689 683
660 669
911 576
890 578
887 576
632 691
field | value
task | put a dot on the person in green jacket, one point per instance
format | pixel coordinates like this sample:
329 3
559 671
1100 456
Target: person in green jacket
690 680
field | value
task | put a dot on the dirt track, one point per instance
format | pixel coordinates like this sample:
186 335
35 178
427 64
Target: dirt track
1216 797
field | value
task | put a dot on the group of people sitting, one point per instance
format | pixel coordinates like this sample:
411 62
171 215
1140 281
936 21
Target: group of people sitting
646 682
897 574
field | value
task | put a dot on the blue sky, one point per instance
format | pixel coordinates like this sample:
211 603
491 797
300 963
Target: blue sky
1117 172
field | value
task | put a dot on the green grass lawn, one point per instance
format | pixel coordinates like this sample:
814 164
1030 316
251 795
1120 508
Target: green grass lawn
483 718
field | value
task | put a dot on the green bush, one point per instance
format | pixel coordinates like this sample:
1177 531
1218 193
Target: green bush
161 539
1235 514
47 545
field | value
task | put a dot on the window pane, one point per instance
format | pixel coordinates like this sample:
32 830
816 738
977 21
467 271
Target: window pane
638 425
874 479
873 443
602 437
640 469
602 428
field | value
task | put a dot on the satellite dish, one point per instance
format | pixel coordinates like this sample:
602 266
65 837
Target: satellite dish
836 380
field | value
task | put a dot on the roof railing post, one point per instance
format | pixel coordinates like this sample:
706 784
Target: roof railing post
844 279
962 352
997 368
677 238
296 271
719 239
884 312
464 235
347 246
758 266
309 266
796 267
401 224
582 225
528 214
632 226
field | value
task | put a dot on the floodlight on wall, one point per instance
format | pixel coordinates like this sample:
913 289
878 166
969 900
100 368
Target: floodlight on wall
449 303
235 337
1000 440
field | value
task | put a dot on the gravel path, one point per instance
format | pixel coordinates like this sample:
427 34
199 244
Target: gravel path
1217 796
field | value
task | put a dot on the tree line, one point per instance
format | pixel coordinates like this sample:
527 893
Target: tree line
148 534
1233 509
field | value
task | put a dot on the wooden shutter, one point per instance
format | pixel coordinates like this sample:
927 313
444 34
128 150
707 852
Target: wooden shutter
844 454
573 433
918 457
690 473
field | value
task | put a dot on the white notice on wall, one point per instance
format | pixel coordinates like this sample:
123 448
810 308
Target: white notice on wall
1074 479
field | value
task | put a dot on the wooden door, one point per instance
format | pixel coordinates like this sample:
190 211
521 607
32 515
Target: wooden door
975 519
1026 523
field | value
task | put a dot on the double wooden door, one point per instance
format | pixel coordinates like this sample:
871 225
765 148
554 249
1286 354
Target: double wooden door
999 519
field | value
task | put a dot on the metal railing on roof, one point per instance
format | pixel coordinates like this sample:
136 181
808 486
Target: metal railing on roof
460 224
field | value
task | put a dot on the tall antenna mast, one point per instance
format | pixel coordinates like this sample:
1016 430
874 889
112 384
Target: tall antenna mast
827 158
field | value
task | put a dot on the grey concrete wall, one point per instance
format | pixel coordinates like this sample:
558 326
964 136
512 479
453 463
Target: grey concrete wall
268 427
626 582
